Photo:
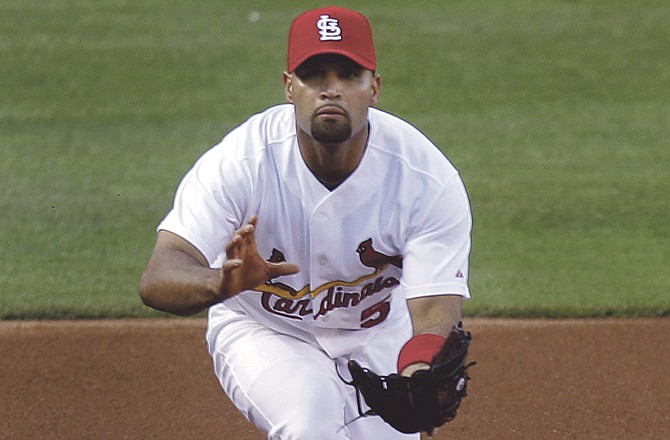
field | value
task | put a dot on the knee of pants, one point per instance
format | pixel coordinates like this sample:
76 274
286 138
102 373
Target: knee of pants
304 429
303 403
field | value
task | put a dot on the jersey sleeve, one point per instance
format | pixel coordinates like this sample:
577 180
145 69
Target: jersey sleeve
221 191
436 257
206 211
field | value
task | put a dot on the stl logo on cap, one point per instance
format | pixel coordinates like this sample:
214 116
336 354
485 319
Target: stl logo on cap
329 28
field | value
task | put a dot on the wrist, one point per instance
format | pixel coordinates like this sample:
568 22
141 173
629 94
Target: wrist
420 350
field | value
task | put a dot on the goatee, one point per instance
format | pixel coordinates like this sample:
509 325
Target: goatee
327 130
331 132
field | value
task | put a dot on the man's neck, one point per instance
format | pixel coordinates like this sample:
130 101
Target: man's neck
331 164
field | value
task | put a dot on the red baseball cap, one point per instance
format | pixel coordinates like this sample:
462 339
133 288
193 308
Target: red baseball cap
331 30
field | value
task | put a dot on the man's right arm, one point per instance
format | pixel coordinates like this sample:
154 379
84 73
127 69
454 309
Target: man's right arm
177 278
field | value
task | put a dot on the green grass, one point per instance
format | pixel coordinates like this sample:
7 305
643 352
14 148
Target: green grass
556 112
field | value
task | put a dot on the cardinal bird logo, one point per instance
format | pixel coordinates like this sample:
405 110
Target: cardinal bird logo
277 256
376 260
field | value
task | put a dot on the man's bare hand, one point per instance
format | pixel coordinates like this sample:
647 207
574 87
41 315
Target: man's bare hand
245 268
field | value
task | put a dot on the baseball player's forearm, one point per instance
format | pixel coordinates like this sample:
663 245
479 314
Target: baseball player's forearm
433 319
181 289
177 278
435 314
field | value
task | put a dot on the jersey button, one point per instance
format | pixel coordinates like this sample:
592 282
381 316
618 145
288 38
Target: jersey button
323 260
321 216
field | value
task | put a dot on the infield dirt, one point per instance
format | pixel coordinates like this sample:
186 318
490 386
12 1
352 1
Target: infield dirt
152 379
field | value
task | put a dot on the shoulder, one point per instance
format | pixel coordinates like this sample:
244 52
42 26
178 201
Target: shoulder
403 143
271 126
246 149
251 139
274 122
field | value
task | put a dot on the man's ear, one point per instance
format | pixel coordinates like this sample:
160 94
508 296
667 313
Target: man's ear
376 87
288 87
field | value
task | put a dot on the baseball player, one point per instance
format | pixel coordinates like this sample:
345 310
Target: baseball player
319 231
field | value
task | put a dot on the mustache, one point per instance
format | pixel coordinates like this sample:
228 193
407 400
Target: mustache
331 107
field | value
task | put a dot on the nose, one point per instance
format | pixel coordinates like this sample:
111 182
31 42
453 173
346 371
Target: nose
332 86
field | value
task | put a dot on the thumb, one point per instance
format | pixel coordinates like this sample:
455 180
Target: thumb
282 269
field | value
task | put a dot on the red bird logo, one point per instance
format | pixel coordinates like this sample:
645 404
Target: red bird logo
278 257
376 260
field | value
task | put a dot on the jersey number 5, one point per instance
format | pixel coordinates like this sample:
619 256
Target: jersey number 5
376 313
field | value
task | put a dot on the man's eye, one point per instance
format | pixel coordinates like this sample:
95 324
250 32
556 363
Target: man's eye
305 74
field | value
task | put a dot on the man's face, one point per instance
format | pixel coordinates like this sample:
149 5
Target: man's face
331 95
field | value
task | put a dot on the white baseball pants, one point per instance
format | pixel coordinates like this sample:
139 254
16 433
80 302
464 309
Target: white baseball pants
290 389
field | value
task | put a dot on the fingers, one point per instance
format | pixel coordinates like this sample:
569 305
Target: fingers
234 246
242 246
232 264
243 237
248 231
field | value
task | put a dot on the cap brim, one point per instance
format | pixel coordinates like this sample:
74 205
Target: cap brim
366 64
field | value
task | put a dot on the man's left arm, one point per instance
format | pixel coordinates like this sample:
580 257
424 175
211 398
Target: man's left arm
434 368
433 318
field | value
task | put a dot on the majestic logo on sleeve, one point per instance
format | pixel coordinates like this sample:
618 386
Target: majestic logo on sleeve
329 28
283 300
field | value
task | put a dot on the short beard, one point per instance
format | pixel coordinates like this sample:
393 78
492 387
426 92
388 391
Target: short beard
330 132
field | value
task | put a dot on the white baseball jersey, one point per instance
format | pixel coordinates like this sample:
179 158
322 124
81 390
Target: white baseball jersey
397 228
